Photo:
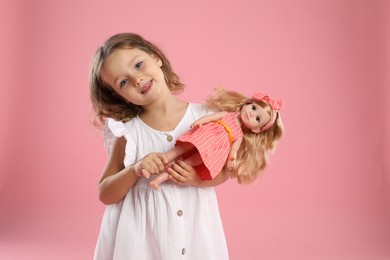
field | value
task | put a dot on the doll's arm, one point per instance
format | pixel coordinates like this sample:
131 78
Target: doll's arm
209 118
233 154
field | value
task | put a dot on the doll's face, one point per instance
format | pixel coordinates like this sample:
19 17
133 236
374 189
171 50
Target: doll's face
254 117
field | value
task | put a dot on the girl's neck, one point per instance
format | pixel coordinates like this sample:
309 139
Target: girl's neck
163 105
164 114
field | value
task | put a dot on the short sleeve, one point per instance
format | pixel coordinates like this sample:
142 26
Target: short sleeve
130 152
114 129
117 127
111 130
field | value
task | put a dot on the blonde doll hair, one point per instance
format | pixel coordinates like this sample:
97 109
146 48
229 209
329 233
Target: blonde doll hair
252 157
106 102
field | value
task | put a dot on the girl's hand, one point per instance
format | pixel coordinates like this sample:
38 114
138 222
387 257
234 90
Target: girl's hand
183 174
152 163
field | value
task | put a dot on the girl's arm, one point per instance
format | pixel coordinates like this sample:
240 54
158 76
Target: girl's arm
209 118
117 180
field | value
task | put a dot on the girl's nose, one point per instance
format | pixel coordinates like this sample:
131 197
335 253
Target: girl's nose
138 80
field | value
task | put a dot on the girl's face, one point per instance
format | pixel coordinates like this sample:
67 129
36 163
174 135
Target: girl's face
254 117
135 75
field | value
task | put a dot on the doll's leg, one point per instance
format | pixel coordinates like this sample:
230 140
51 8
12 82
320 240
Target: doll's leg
171 155
194 160
158 180
178 151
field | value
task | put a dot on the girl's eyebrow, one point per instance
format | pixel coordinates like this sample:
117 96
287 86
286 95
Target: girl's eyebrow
134 58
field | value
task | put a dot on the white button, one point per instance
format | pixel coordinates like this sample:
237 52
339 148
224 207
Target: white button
180 213
169 138
183 251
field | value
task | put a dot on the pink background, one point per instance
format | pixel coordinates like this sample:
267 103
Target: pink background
326 193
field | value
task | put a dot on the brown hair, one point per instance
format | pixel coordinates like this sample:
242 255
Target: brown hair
252 156
105 101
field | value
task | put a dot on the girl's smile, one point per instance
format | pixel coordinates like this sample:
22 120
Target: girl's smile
146 88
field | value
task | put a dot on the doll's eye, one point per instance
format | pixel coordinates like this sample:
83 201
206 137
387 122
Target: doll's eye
253 107
123 82
258 119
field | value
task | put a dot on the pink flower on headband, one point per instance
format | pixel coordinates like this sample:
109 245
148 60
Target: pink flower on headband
276 104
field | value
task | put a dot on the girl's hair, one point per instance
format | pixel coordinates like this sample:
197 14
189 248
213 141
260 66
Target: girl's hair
106 102
252 156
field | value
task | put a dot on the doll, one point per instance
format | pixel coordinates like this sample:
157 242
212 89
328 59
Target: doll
239 135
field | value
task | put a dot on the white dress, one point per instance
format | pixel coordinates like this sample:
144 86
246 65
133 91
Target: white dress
171 223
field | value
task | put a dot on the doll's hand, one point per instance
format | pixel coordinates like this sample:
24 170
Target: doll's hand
152 163
230 162
197 123
183 174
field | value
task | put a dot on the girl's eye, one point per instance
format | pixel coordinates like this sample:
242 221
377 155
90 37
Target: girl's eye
139 65
253 107
123 82
258 119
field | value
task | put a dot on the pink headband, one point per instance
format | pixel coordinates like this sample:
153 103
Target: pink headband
276 105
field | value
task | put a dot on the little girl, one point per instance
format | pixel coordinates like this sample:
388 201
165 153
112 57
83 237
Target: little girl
133 83
240 136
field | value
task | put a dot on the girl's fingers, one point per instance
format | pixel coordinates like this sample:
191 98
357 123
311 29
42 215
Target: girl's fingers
175 181
154 163
158 165
181 167
183 174
176 172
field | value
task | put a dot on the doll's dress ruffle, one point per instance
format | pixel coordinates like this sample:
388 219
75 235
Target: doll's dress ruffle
213 144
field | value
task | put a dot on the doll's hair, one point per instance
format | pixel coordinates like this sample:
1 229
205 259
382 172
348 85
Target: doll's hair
106 102
252 157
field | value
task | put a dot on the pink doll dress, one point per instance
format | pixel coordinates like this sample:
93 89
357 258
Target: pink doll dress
213 144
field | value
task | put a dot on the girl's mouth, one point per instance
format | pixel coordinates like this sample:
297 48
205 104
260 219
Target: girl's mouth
146 88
